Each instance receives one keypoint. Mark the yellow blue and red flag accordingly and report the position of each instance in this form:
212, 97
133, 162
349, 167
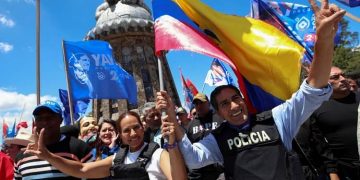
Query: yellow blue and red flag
266, 61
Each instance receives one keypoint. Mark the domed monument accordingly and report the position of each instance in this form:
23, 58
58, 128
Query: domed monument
128, 26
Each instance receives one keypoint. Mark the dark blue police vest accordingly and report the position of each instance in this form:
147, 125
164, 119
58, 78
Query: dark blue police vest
136, 170
257, 153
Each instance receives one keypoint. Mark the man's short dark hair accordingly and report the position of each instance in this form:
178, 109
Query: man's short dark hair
217, 91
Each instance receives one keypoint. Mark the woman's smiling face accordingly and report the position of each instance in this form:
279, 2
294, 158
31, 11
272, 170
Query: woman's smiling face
107, 132
132, 132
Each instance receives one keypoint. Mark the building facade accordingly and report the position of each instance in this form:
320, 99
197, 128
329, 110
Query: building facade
128, 26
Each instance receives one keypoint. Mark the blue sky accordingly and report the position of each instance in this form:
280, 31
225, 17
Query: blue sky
71, 20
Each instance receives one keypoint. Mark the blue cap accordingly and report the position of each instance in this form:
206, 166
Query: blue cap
50, 105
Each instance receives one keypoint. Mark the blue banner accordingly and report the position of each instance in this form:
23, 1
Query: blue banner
11, 132
79, 107
94, 74
351, 3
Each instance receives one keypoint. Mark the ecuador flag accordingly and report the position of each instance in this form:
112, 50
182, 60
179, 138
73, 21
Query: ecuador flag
266, 61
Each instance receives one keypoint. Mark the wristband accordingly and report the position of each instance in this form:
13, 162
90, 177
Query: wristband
168, 146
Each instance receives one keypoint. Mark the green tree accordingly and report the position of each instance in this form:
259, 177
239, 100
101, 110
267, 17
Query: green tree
347, 52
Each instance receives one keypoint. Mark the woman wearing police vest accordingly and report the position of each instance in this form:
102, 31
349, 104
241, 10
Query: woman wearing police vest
135, 160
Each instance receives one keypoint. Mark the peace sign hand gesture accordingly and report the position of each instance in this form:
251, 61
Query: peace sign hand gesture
327, 19
38, 148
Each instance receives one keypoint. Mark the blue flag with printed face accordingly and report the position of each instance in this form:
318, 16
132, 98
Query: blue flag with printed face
94, 74
79, 106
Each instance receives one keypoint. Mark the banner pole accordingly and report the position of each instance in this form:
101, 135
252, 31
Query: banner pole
38, 52
68, 85
351, 16
202, 89
161, 81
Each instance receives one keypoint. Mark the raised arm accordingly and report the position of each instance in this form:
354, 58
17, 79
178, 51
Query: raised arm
197, 155
163, 102
327, 19
98, 169
291, 114
171, 161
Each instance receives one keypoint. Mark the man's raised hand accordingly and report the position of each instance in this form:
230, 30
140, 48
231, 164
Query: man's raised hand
163, 102
327, 18
38, 148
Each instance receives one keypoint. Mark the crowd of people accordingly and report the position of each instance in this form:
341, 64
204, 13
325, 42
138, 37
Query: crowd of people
313, 135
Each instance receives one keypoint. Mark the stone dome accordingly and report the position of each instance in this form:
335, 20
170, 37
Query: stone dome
123, 15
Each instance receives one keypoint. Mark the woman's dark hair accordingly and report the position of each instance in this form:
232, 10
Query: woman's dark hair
113, 123
217, 91
98, 141
128, 113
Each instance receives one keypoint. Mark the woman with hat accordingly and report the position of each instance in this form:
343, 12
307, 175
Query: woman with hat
21, 140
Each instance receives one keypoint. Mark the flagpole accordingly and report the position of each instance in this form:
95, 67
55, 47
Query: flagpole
202, 89
13, 130
161, 81
68, 85
38, 52
22, 112
353, 17
348, 14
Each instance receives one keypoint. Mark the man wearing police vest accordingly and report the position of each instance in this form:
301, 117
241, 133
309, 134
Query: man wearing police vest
259, 147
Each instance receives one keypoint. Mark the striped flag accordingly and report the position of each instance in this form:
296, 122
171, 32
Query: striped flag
192, 87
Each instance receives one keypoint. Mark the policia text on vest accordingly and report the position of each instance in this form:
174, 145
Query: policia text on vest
248, 139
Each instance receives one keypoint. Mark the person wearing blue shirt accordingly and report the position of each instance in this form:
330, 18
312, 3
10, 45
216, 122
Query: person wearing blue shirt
259, 147
107, 142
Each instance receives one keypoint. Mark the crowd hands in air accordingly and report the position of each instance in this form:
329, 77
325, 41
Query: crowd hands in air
219, 139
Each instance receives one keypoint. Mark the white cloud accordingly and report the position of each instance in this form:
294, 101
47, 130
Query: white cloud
14, 105
6, 47
6, 21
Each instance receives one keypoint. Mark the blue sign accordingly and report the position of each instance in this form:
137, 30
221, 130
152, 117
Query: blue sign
94, 74
79, 107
